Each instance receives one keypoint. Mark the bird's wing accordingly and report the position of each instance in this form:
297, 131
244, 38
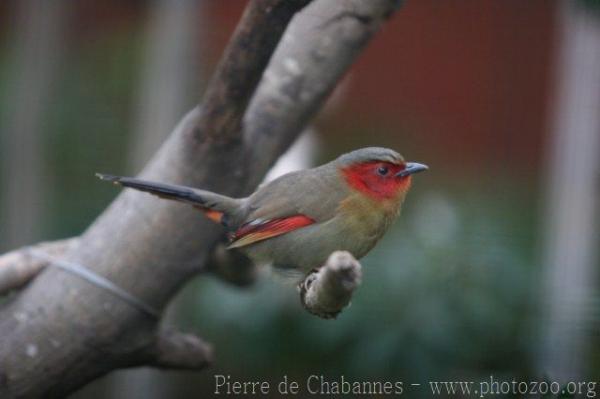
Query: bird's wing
259, 230
291, 202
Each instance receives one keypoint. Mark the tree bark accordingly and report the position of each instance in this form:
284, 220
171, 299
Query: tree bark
61, 331
19, 267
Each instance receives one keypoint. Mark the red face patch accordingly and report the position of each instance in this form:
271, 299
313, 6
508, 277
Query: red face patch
377, 179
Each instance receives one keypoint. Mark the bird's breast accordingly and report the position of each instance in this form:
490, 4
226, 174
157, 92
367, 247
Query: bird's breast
364, 221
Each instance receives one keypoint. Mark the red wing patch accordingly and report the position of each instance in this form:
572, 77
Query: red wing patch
258, 230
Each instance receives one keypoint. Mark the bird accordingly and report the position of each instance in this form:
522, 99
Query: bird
296, 221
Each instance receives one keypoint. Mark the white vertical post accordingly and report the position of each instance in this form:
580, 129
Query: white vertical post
169, 71
572, 196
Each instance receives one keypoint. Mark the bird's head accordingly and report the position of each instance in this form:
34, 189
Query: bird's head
380, 173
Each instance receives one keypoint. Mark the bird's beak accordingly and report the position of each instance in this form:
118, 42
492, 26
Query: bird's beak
412, 167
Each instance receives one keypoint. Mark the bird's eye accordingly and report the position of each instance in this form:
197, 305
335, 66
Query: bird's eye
382, 170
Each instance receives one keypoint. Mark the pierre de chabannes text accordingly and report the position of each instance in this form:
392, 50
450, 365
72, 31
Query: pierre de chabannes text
314, 385
320, 385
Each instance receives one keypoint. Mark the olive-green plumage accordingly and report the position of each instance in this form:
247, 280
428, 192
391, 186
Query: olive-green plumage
297, 220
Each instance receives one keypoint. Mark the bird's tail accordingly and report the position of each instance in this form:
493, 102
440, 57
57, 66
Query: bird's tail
217, 207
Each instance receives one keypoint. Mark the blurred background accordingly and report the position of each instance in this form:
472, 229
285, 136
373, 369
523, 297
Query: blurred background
492, 270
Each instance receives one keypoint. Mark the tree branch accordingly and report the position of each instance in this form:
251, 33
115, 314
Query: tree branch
241, 67
18, 267
151, 247
327, 291
175, 350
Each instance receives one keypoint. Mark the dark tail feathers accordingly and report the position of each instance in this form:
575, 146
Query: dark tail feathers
198, 198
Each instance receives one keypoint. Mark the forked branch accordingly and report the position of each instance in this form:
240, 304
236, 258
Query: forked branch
149, 247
